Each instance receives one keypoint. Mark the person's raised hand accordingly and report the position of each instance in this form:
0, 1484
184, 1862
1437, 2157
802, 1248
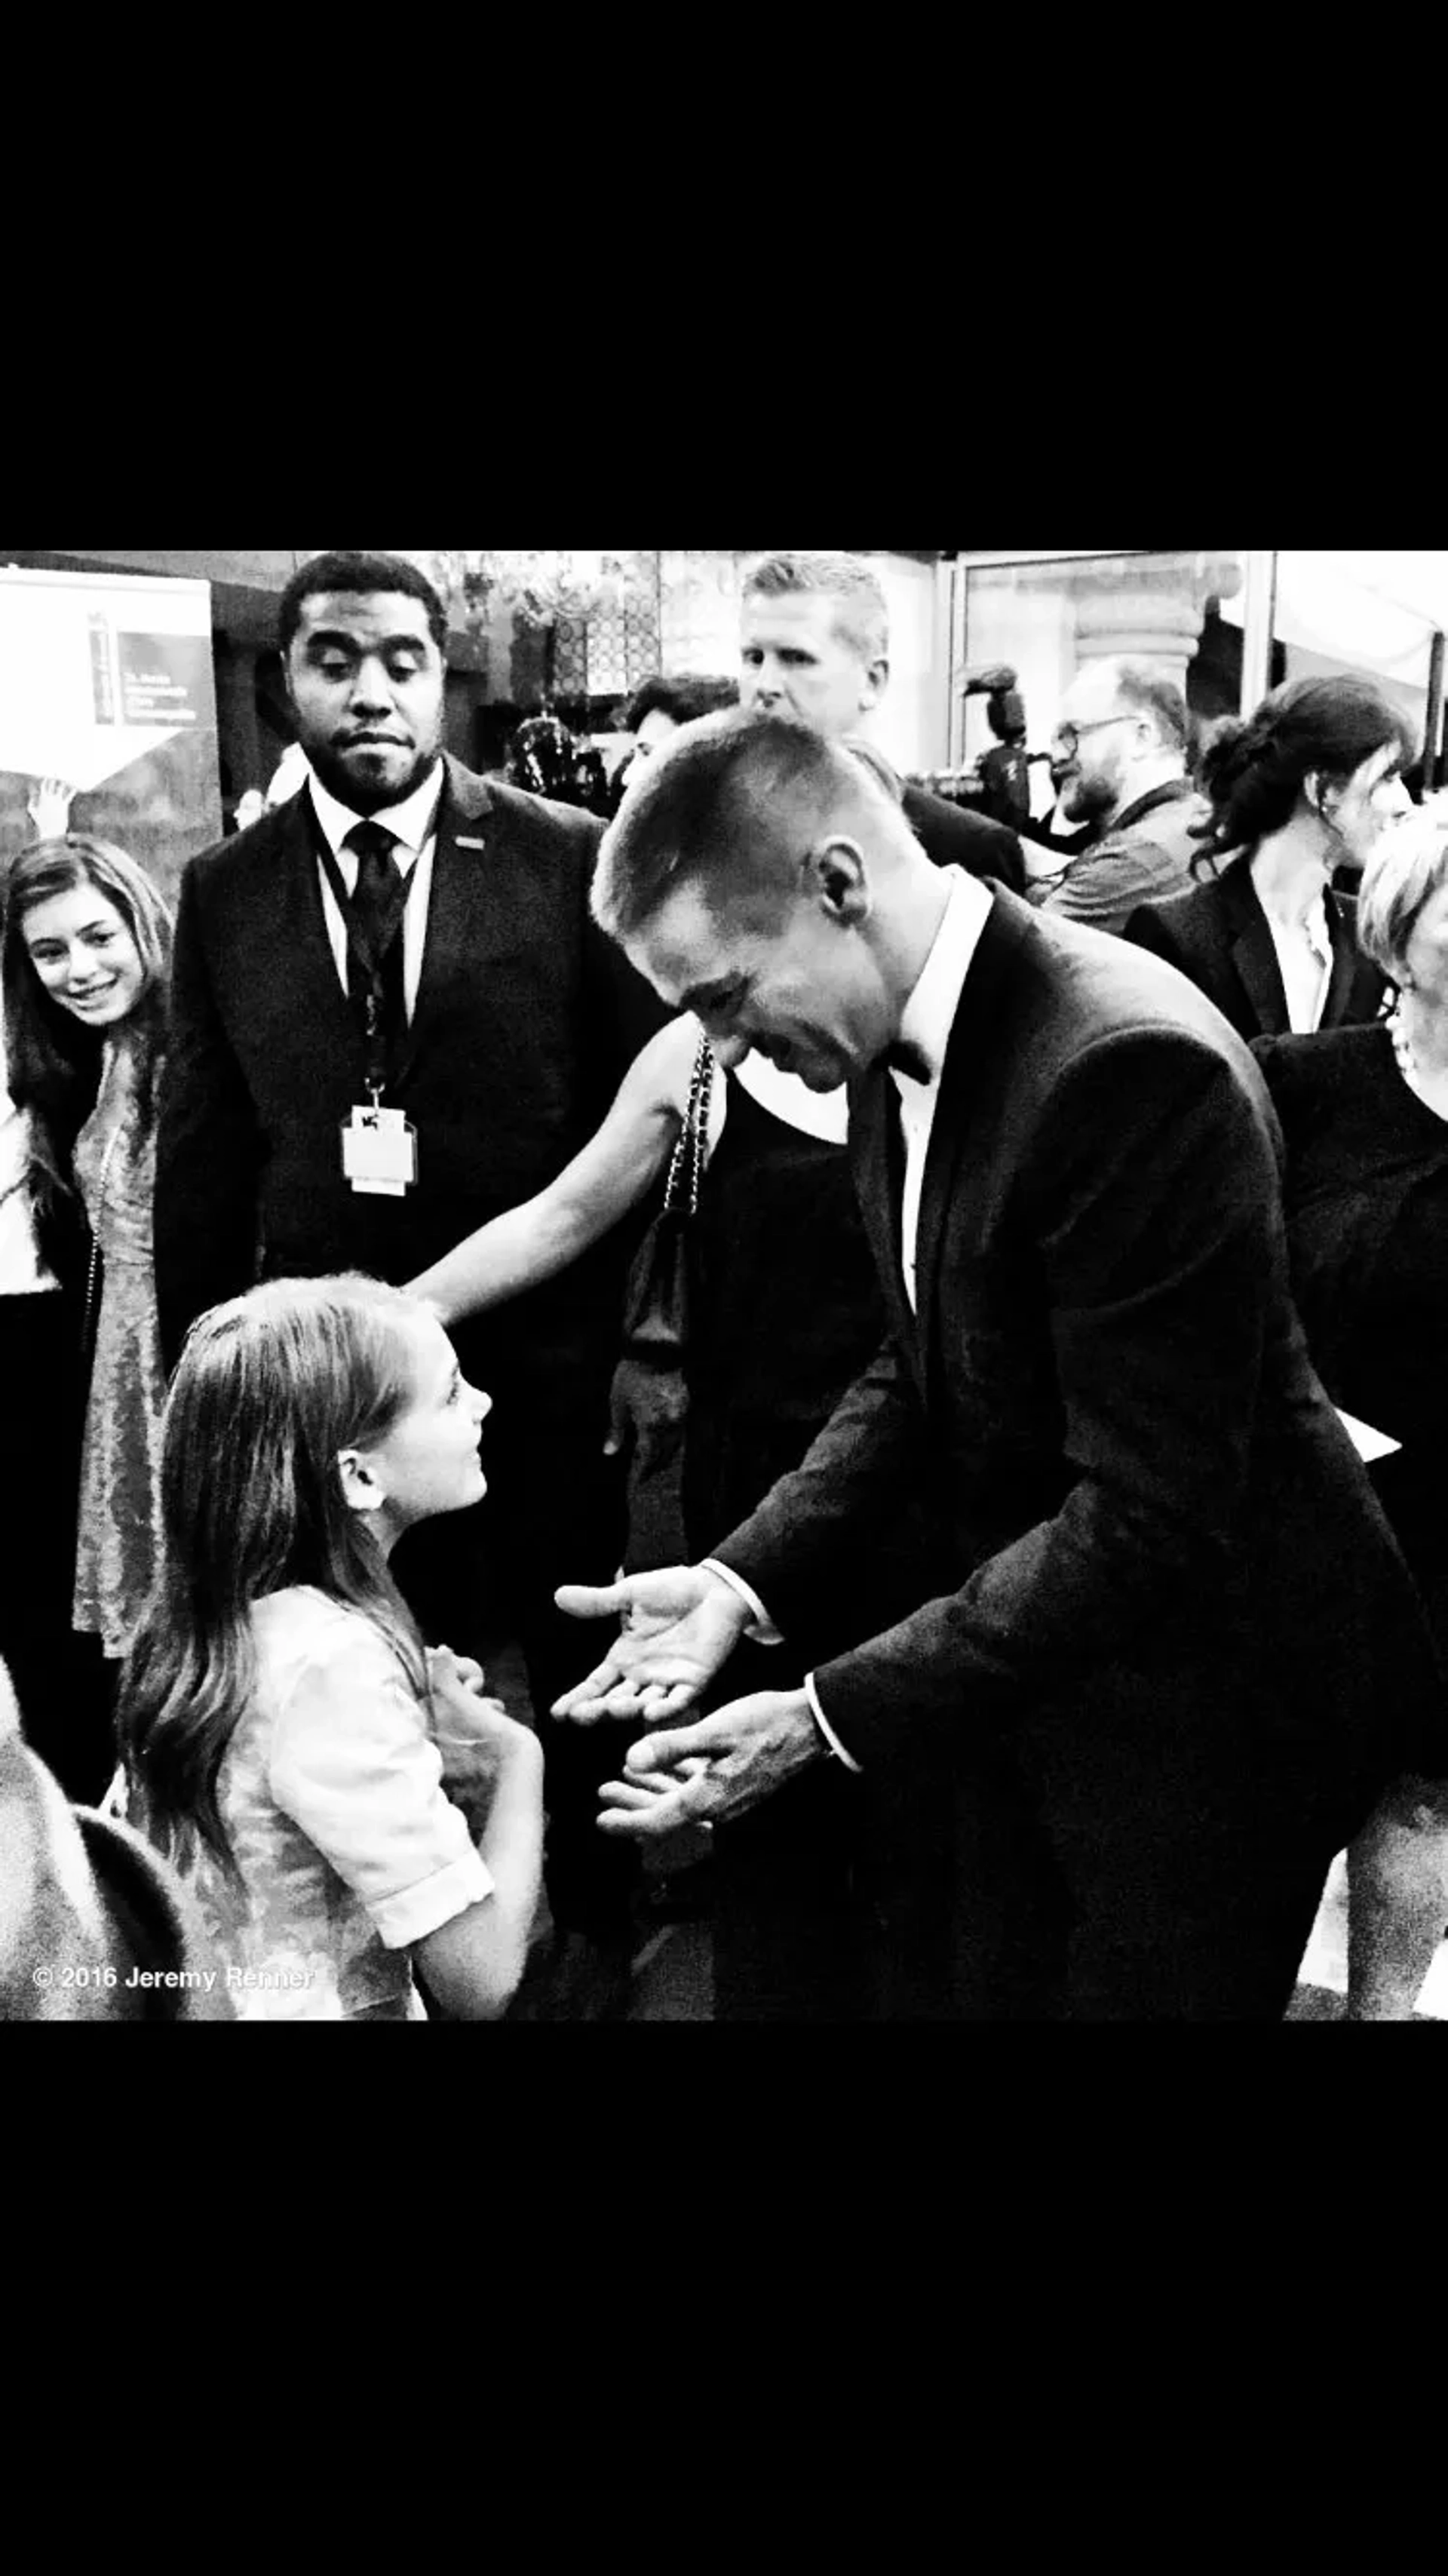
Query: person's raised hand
473, 1733
48, 806
644, 1405
679, 1626
443, 1666
717, 1768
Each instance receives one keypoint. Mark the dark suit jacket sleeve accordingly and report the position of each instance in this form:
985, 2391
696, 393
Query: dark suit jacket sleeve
952, 837
207, 1149
1153, 1188
1006, 858
997, 852
846, 1489
1149, 928
622, 1011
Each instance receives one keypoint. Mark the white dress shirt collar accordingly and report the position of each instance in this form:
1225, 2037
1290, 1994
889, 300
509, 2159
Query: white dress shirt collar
929, 1015
412, 820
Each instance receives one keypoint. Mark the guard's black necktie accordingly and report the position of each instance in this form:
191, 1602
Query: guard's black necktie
378, 900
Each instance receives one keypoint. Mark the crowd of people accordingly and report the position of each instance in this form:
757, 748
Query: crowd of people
966, 1324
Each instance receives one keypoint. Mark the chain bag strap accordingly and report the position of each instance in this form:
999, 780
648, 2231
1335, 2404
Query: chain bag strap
96, 1267
657, 1301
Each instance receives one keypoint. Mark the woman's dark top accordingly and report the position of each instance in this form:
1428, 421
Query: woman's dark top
785, 1312
1366, 1195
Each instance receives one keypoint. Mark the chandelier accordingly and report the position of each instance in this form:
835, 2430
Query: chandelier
544, 590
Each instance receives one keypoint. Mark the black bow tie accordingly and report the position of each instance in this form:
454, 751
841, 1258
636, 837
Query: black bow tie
908, 1058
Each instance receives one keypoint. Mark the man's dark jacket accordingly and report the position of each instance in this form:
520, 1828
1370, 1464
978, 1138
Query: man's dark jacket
954, 838
1167, 1655
525, 1020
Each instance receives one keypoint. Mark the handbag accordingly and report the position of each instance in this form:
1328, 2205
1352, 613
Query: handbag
656, 1301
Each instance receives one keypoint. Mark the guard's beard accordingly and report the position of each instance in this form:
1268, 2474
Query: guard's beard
365, 797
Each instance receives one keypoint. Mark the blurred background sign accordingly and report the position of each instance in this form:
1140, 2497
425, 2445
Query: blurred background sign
107, 687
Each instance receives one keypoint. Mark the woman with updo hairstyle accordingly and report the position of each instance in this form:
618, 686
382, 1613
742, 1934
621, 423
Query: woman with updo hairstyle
1303, 788
1364, 1114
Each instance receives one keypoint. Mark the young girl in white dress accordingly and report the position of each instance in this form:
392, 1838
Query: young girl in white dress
345, 1803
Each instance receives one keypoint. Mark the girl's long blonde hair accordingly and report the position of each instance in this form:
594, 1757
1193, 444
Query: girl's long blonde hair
271, 1387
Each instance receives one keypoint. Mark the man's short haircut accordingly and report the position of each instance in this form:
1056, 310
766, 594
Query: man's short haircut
861, 615
1151, 693
683, 697
1406, 870
731, 804
359, 574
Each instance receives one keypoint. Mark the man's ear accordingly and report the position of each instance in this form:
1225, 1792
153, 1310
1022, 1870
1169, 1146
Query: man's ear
361, 1485
834, 873
874, 681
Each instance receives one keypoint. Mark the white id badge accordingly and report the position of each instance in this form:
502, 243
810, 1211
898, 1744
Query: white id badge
379, 1152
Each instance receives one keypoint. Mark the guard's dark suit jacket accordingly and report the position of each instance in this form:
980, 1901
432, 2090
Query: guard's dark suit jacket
1167, 1653
1218, 935
526, 1018
954, 838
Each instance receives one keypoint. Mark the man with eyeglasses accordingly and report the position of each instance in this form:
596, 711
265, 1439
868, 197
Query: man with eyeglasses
1122, 745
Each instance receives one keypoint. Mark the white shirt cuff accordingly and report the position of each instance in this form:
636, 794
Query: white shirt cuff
761, 1630
825, 1728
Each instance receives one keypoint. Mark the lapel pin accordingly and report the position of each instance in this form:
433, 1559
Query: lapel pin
466, 841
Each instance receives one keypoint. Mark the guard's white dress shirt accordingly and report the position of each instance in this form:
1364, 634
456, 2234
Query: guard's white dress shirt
413, 822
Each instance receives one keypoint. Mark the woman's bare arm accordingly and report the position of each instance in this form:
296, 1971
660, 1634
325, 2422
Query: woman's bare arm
607, 1177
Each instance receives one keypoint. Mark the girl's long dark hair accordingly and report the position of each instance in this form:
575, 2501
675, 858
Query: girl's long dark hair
1253, 770
270, 1387
54, 1062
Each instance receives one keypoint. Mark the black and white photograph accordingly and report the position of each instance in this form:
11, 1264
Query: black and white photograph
720, 1287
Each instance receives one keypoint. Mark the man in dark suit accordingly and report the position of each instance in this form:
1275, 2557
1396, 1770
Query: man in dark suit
394, 1017
814, 642
1166, 1654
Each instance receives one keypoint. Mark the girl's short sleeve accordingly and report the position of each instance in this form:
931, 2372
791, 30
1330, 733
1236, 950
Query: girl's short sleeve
353, 1765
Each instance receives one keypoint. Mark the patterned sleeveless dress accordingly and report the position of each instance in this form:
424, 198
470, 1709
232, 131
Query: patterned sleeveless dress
118, 1540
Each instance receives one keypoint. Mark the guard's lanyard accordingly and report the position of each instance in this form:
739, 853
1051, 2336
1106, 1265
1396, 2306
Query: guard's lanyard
375, 1021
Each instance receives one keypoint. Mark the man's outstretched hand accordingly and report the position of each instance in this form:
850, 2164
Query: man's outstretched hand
703, 1774
679, 1628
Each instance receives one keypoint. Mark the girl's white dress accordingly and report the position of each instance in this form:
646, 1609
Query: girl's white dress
348, 1846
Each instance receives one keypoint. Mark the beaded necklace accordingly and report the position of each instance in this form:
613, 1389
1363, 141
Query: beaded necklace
1407, 1062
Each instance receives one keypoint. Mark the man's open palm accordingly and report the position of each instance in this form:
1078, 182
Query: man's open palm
680, 1625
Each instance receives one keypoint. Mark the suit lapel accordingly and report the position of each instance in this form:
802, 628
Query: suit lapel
1345, 961
878, 1154
312, 976
975, 1046
1251, 950
458, 902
